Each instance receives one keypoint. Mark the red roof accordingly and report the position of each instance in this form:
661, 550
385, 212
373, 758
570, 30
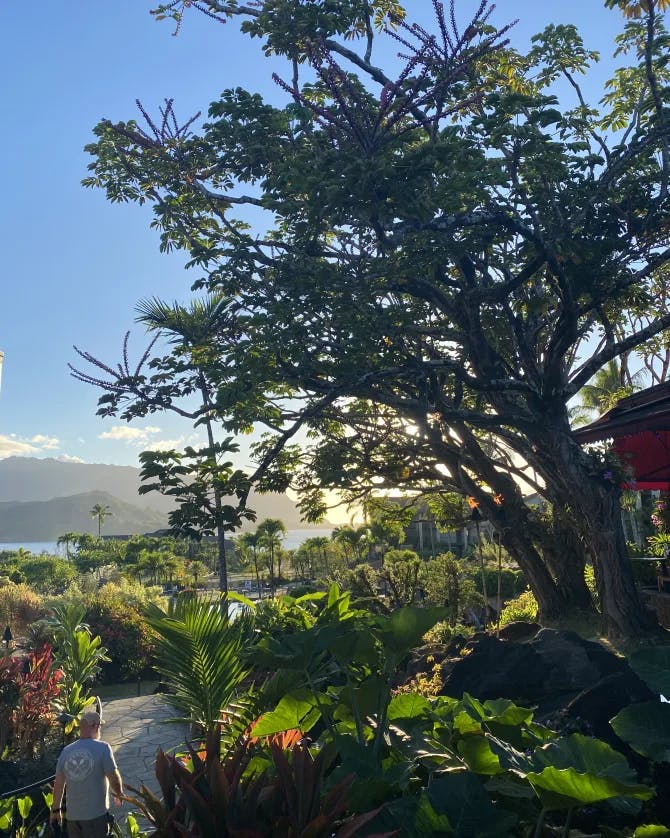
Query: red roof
639, 426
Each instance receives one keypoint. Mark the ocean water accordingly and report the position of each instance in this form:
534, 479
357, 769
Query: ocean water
293, 539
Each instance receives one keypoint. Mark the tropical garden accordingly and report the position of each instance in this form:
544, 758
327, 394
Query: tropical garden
414, 274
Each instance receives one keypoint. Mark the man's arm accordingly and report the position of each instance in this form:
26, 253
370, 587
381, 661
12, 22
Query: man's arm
115, 783
59, 787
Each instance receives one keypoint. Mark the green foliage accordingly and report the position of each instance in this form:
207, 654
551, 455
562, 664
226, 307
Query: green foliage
20, 605
79, 652
198, 654
272, 789
652, 664
127, 638
28, 690
646, 728
524, 607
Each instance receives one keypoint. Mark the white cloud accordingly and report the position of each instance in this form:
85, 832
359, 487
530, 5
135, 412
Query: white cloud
68, 458
131, 436
12, 445
48, 443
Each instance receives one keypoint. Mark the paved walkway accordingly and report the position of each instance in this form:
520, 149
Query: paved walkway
136, 729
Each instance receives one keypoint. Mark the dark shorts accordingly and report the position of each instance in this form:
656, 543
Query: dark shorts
96, 828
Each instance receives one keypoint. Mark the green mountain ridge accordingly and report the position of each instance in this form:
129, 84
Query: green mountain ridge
47, 520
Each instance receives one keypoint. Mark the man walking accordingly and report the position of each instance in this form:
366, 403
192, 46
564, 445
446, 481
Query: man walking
87, 769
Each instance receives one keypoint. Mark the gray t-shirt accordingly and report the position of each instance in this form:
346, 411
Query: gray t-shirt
85, 764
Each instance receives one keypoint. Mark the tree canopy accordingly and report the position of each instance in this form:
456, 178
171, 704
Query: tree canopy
441, 257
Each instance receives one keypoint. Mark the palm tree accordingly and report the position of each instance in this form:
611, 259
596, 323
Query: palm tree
198, 654
271, 532
251, 540
193, 328
101, 512
352, 539
67, 539
608, 385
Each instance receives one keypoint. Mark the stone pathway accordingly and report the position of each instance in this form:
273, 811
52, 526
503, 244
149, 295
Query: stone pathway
136, 728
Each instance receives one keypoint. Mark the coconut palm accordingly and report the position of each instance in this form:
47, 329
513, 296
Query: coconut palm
608, 385
101, 512
354, 540
67, 539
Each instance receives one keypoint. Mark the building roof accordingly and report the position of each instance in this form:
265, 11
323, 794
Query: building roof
639, 426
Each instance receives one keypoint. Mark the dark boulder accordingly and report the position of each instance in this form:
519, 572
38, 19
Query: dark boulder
519, 631
548, 672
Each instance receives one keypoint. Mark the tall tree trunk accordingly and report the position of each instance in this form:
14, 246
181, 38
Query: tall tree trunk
563, 552
592, 505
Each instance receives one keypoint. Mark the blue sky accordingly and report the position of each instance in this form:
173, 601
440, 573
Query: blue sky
73, 265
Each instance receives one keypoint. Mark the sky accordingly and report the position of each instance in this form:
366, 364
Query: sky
74, 266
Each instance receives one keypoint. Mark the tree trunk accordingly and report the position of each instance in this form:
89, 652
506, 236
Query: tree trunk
564, 554
592, 506
622, 611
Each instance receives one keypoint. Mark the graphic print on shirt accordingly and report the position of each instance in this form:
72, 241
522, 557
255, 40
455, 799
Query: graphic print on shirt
78, 765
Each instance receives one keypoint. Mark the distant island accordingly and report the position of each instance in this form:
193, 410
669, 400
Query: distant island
40, 499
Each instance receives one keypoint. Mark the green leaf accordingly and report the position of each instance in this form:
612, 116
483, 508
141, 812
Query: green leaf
646, 728
25, 804
406, 626
563, 788
477, 753
651, 830
461, 796
653, 666
408, 706
296, 711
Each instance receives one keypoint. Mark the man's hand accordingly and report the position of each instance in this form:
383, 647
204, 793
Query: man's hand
54, 822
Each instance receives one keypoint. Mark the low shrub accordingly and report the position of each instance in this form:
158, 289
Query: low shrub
524, 608
20, 605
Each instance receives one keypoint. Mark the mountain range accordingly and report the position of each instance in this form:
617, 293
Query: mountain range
40, 499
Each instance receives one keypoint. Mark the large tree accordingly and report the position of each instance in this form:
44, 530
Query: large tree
440, 260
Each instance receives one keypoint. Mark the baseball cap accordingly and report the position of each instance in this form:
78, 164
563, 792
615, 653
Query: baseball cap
91, 718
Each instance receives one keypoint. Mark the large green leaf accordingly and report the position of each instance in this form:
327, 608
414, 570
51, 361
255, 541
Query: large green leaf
461, 796
564, 788
296, 711
579, 770
646, 728
652, 830
585, 755
653, 666
408, 707
477, 753
412, 815
406, 626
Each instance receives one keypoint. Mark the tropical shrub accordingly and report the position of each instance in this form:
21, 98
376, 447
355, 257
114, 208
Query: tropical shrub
524, 607
28, 690
127, 637
274, 788
20, 605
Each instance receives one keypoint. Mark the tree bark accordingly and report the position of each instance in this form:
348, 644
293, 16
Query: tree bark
592, 503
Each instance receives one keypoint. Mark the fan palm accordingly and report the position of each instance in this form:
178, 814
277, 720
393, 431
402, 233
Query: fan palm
198, 653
